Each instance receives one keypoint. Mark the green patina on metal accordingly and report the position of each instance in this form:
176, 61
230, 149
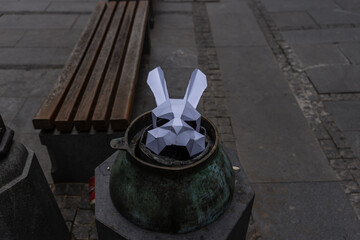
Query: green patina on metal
170, 199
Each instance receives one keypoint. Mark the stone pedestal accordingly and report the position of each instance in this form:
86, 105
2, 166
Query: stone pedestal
75, 155
28, 209
233, 223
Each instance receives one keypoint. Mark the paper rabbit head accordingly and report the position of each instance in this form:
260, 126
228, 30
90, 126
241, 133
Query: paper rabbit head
176, 121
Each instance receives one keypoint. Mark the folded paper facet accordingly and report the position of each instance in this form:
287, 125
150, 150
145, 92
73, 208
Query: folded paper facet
176, 121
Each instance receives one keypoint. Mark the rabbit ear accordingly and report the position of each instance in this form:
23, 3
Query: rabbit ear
157, 84
196, 87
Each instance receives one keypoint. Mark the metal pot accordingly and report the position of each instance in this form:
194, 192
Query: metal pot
172, 199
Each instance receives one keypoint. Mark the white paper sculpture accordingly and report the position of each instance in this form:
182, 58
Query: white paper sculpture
176, 121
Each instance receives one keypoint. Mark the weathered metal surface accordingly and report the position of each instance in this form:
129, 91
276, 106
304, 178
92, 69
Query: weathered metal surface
173, 199
135, 132
231, 225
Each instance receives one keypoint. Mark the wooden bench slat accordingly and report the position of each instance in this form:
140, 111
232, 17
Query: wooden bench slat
82, 118
44, 118
63, 120
120, 113
100, 118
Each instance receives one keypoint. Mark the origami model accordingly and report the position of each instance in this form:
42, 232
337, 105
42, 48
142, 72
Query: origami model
176, 121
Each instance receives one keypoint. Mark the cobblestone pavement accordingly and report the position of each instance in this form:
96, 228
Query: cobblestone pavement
214, 99
315, 43
267, 130
322, 75
325, 85
74, 202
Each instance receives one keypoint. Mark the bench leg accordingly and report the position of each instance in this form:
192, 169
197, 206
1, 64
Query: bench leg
74, 156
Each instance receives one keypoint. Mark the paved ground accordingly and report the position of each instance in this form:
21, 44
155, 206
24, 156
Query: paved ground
283, 90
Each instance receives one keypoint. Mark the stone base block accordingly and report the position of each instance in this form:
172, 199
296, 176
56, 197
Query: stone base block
75, 155
28, 209
233, 223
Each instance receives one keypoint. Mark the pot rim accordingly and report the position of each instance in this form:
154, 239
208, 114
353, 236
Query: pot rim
125, 146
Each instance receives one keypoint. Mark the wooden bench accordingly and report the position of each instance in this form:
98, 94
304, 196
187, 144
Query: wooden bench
97, 83
95, 89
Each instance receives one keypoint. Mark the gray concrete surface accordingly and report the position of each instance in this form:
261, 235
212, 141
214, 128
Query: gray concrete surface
275, 143
284, 86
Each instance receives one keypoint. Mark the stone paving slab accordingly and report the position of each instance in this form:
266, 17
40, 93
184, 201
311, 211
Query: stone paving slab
294, 5
234, 25
327, 132
172, 20
26, 83
173, 57
81, 231
74, 201
319, 54
299, 19
172, 38
22, 123
334, 16
351, 51
9, 38
335, 79
351, 5
274, 141
306, 211
354, 139
23, 6
49, 38
338, 35
81, 21
173, 7
72, 6
34, 56
235, 38
251, 71
345, 113
9, 106
37, 21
